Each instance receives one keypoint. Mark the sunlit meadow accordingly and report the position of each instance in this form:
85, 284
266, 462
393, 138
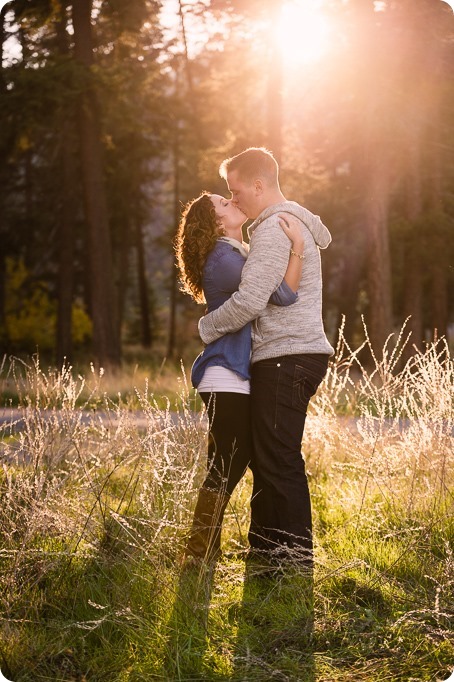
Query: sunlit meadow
97, 490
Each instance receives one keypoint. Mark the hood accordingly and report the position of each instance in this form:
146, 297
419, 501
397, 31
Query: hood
320, 233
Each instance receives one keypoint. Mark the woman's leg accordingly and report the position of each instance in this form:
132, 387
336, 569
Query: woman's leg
229, 453
229, 440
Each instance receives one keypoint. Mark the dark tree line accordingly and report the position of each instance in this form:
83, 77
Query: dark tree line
78, 154
108, 126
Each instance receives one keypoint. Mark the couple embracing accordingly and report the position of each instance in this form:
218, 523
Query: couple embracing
266, 352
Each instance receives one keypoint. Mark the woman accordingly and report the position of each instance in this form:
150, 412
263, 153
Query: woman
211, 255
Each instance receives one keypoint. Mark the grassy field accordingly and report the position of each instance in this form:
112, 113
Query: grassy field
95, 508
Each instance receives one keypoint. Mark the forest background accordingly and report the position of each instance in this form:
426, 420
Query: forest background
114, 114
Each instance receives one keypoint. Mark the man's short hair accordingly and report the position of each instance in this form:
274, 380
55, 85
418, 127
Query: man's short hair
253, 163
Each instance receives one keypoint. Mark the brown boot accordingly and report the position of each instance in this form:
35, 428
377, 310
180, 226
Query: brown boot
205, 537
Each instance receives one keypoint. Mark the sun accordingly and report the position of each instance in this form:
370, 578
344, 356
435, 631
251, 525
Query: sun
303, 32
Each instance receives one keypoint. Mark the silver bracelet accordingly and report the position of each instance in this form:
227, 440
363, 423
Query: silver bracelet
298, 255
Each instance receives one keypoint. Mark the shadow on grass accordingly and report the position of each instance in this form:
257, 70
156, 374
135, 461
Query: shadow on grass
188, 624
275, 625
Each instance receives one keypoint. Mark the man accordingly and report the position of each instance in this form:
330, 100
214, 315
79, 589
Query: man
290, 352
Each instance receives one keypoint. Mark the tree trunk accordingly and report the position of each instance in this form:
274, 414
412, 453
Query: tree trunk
352, 276
439, 66
439, 262
106, 332
122, 263
174, 274
413, 269
66, 245
3, 328
143, 289
66, 234
379, 318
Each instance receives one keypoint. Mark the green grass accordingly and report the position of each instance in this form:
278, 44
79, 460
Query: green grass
94, 515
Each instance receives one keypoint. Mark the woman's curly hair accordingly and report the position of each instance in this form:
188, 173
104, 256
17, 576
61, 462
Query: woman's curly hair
197, 234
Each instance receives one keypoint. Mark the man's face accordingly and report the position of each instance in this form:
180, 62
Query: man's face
244, 195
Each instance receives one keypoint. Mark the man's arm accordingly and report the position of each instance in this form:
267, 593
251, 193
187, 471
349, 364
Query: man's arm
263, 272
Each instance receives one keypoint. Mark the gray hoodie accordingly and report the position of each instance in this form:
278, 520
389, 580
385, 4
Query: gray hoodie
276, 330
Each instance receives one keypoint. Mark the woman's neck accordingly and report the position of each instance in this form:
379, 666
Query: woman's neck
235, 233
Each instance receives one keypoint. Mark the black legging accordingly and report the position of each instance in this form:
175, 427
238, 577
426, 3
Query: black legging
229, 440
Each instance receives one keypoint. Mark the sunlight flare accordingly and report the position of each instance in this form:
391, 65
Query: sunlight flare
303, 32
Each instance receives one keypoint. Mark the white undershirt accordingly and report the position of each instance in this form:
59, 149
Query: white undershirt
222, 380
240, 246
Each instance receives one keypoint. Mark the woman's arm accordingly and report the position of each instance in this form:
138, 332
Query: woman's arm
291, 226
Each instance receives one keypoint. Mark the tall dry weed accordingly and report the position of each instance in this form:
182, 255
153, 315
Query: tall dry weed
94, 485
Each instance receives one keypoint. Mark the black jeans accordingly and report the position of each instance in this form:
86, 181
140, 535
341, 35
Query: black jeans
281, 517
229, 439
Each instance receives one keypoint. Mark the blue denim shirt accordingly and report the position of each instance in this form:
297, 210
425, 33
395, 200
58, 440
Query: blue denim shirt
221, 278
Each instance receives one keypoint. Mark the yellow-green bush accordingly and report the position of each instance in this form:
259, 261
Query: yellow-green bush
31, 312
